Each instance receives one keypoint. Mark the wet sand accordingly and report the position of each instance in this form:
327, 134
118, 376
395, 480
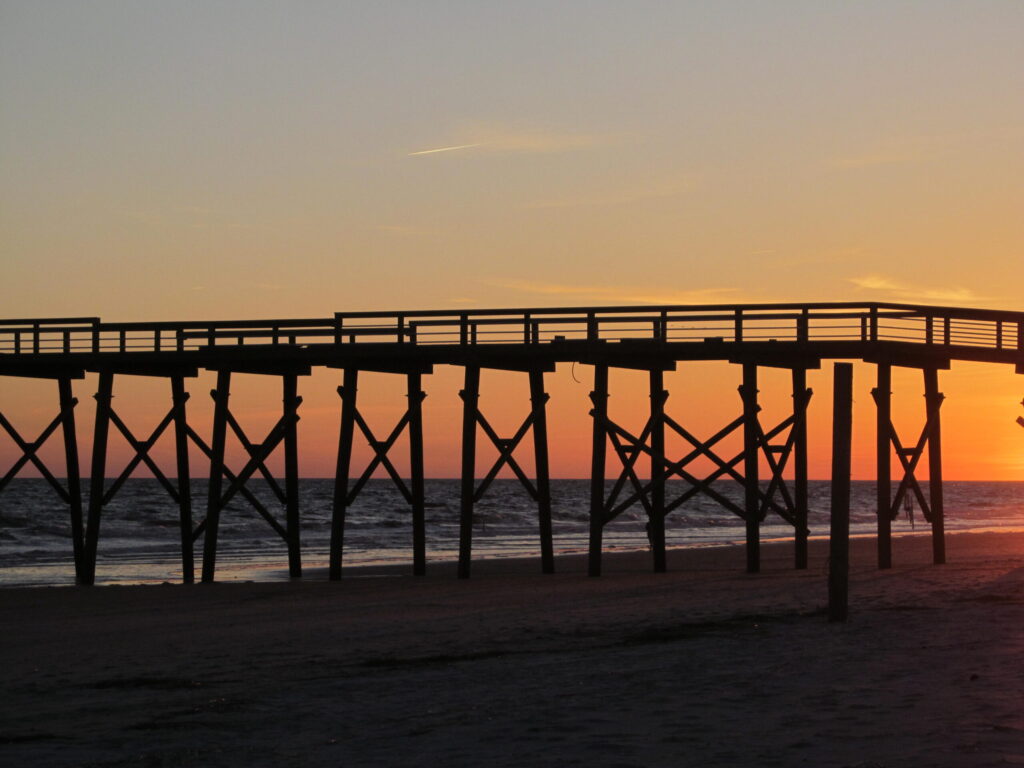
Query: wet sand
702, 666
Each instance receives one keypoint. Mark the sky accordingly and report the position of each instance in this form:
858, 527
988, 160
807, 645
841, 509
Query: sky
214, 160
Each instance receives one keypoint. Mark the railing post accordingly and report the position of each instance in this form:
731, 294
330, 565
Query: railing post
873, 321
738, 326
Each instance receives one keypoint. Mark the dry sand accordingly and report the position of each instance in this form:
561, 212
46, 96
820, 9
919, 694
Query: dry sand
702, 666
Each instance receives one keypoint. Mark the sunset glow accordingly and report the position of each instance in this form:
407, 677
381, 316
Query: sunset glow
193, 160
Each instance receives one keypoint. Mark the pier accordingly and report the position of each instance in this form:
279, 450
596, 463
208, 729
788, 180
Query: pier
793, 337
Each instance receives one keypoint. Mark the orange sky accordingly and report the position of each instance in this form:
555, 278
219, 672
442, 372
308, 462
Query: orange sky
204, 160
980, 438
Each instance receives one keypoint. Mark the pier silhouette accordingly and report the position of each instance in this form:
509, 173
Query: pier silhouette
653, 339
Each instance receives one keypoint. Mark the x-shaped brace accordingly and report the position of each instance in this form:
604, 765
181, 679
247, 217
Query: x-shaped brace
506, 449
28, 454
909, 459
141, 449
381, 449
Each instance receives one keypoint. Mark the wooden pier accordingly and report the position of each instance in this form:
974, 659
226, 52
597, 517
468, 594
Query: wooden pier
795, 337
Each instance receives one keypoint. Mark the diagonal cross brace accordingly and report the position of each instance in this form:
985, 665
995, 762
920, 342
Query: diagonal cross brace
252, 450
381, 449
244, 492
141, 448
909, 459
28, 451
506, 449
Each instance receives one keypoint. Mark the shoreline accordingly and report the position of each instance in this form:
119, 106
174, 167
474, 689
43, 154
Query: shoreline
247, 570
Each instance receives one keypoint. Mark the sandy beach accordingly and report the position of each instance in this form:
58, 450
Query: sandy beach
702, 666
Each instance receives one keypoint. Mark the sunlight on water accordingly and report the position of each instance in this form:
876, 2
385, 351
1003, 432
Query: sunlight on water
139, 532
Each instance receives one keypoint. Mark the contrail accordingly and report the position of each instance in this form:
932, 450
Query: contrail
443, 149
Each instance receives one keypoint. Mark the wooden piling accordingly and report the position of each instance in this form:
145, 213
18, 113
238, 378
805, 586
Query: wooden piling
800, 467
751, 482
97, 473
347, 391
839, 536
470, 404
74, 479
656, 522
933, 400
213, 498
538, 404
599, 448
178, 399
291, 401
883, 470
416, 472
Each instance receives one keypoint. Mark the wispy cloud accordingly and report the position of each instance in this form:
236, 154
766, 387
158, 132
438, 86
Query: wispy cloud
621, 294
894, 289
444, 149
501, 139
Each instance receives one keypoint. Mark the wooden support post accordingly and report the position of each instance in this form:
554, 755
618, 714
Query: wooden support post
933, 400
883, 470
290, 397
341, 474
67, 419
213, 499
97, 472
656, 521
751, 483
538, 402
178, 399
419, 530
599, 412
800, 466
839, 537
470, 407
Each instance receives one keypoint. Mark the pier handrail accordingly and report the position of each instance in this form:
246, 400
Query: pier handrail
932, 326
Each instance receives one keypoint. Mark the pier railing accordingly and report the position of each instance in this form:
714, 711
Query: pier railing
918, 324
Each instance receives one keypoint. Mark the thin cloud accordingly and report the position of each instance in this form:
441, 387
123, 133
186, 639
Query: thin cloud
444, 149
499, 140
917, 293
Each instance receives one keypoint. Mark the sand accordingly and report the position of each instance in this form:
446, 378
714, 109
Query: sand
702, 666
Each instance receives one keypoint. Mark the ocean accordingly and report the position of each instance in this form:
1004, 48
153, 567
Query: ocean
139, 531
